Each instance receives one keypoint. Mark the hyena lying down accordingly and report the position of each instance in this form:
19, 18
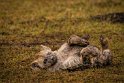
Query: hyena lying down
70, 55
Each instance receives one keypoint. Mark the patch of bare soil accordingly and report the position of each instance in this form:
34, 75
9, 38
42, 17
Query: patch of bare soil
110, 17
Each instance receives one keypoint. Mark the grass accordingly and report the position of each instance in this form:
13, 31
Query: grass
25, 24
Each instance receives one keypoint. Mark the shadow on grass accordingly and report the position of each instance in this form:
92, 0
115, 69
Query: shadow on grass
110, 17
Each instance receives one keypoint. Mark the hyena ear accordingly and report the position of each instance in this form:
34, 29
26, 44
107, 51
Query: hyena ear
86, 37
43, 47
43, 50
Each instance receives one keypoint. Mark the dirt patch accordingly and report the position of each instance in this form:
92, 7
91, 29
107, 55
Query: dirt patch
106, 3
22, 44
110, 17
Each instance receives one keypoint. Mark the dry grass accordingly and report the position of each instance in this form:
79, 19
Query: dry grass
25, 24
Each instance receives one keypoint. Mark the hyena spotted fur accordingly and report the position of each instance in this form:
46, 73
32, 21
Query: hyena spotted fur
66, 57
75, 53
96, 56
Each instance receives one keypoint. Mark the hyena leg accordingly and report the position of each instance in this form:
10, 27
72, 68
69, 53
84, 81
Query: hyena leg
93, 61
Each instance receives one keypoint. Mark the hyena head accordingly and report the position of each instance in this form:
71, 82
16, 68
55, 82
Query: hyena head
50, 59
46, 59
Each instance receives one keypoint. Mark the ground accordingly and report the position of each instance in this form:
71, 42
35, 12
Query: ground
25, 24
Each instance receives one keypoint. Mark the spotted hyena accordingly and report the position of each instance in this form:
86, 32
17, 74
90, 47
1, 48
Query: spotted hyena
72, 54
66, 57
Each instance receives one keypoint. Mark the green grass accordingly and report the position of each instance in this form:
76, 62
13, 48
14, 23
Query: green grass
25, 24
